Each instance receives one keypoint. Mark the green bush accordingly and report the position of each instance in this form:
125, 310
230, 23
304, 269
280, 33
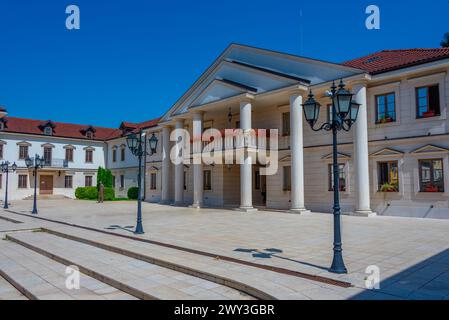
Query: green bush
80, 193
109, 194
86, 193
133, 193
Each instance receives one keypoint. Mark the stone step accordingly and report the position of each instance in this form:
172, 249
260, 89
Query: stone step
8, 292
37, 277
138, 278
260, 283
47, 197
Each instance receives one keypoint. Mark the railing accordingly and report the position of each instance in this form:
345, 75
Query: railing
56, 163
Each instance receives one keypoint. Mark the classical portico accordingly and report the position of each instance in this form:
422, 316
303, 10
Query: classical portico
249, 95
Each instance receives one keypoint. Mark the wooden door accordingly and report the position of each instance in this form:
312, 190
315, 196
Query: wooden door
46, 185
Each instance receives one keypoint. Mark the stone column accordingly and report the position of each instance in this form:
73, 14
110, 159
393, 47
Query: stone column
165, 165
361, 154
197, 161
179, 168
246, 190
297, 154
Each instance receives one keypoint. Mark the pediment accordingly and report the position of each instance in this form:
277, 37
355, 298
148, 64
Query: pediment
387, 152
217, 90
430, 148
261, 69
341, 156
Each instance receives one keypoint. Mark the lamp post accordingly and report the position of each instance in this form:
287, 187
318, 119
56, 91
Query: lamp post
35, 164
5, 169
344, 115
136, 145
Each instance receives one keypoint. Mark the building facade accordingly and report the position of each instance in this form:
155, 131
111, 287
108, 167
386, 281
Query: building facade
395, 160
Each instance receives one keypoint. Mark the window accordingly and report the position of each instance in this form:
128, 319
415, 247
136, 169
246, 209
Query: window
207, 180
47, 156
341, 175
114, 155
113, 182
122, 182
153, 185
48, 131
431, 178
23, 152
68, 182
88, 181
287, 176
386, 108
23, 181
1, 181
89, 156
122, 155
286, 124
388, 176
185, 180
237, 125
1, 151
89, 135
257, 180
428, 102
69, 155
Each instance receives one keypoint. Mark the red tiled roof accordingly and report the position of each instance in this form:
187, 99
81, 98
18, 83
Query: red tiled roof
67, 130
389, 60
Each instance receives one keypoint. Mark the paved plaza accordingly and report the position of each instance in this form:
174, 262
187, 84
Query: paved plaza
221, 254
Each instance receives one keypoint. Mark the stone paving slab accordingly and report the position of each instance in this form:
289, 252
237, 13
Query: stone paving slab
277, 285
44, 279
400, 247
155, 281
8, 292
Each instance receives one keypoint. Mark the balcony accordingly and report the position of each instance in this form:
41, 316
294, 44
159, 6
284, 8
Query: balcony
56, 163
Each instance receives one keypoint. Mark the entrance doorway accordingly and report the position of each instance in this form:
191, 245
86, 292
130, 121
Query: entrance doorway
46, 185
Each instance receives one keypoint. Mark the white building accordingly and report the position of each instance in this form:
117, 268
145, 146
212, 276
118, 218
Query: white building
400, 140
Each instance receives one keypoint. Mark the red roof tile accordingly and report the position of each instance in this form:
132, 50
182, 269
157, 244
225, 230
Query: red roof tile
67, 130
389, 60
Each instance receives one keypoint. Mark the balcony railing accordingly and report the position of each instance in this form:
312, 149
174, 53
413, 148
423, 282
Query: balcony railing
56, 163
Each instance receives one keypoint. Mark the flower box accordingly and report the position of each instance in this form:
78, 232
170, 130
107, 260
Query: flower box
429, 114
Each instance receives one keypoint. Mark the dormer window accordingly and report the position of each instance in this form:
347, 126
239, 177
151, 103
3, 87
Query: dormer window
3, 122
48, 131
89, 135
88, 132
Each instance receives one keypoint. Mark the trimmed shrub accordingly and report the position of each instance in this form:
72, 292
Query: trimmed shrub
109, 194
105, 176
80, 193
86, 193
133, 193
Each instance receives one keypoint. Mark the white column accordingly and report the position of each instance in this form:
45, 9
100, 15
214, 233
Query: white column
246, 190
297, 154
361, 154
197, 161
179, 168
165, 165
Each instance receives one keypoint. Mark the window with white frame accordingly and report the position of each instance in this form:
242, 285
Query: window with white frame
23, 181
153, 181
207, 180
431, 175
428, 101
23, 152
68, 182
341, 177
286, 124
388, 176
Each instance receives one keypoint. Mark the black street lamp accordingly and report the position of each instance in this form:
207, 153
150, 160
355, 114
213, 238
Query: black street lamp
136, 145
344, 115
5, 169
35, 163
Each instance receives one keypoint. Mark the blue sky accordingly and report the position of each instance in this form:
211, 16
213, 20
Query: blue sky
131, 60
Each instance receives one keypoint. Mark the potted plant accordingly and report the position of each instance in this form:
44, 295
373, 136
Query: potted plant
388, 187
429, 114
431, 188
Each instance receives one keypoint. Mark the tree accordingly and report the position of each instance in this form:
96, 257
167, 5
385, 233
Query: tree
445, 42
105, 176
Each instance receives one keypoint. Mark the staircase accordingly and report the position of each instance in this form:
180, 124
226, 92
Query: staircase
35, 262
48, 197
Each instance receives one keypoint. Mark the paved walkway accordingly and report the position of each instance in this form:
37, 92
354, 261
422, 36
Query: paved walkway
412, 254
